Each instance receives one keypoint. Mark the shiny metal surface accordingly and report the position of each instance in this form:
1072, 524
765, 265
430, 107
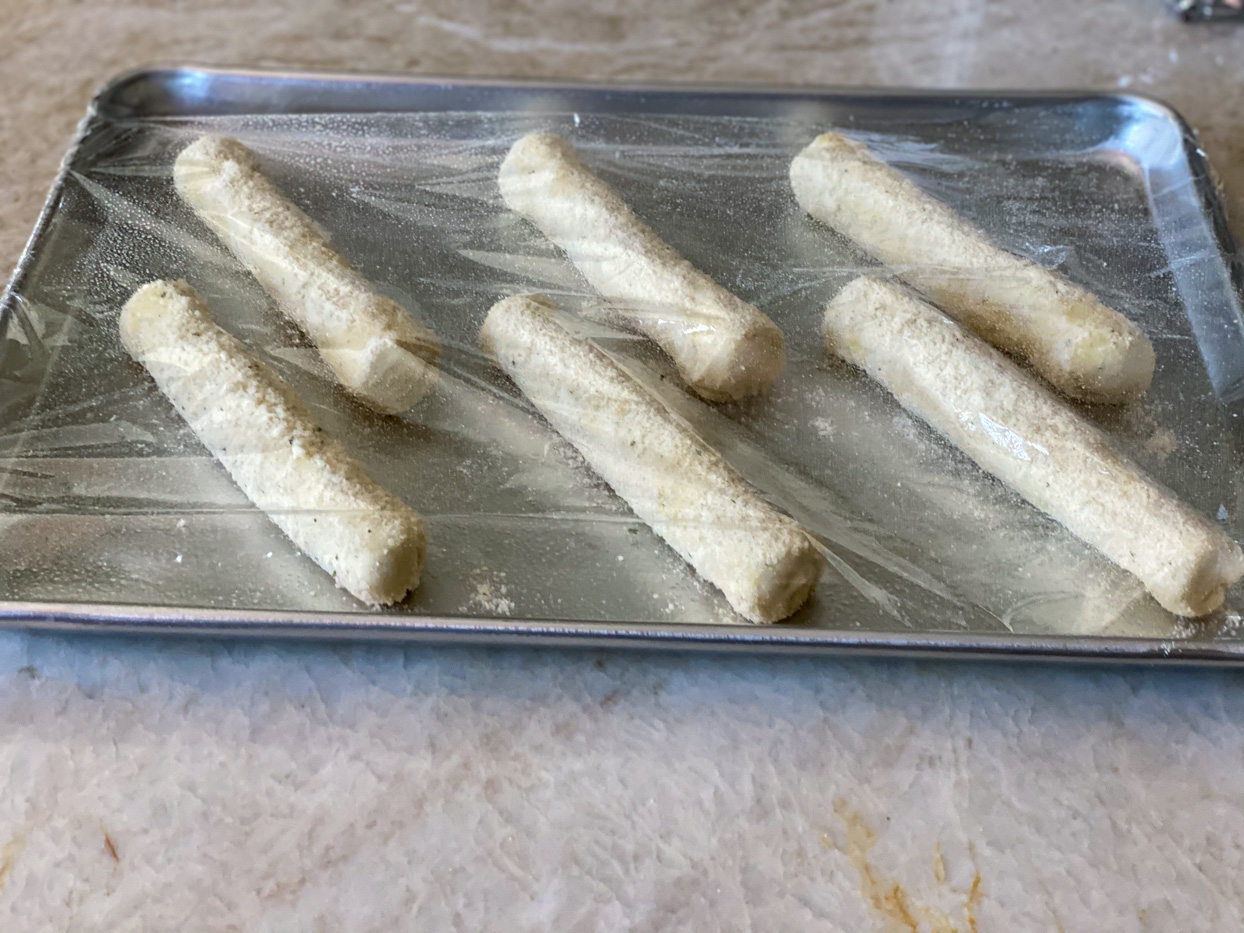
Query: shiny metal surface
1135, 162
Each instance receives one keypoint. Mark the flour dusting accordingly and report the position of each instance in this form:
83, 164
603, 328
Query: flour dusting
490, 595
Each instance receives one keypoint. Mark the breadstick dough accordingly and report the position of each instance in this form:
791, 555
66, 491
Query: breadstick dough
1014, 428
374, 347
761, 560
1085, 349
724, 348
251, 421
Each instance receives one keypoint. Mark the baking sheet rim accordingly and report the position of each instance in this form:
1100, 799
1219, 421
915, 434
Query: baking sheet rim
119, 619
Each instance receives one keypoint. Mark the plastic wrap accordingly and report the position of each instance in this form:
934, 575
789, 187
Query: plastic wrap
106, 496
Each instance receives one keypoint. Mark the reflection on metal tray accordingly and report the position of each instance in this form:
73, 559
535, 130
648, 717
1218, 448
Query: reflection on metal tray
112, 516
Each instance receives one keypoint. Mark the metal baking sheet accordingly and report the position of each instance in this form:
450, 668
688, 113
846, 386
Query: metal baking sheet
113, 518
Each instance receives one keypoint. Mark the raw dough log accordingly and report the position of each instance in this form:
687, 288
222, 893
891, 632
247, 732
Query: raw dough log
251, 421
761, 560
1014, 428
374, 347
724, 347
1085, 349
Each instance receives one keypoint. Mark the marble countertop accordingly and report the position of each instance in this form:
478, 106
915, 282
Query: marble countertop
166, 784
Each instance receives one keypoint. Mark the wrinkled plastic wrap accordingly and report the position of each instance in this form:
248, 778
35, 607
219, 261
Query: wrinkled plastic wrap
106, 496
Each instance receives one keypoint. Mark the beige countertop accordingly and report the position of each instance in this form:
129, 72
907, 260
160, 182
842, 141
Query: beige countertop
161, 784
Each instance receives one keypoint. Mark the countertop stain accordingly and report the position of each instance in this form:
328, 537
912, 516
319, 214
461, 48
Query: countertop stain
8, 853
939, 865
886, 896
109, 845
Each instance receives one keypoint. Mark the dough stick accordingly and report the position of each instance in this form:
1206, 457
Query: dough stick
374, 347
761, 560
1085, 349
724, 348
1014, 428
252, 422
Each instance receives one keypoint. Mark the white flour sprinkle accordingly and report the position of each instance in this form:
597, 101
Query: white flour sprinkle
490, 597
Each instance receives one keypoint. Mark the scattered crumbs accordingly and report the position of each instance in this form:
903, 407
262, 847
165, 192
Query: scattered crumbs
905, 426
824, 427
1222, 513
1161, 443
670, 606
1184, 628
181, 523
621, 558
269, 554
490, 594
179, 558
